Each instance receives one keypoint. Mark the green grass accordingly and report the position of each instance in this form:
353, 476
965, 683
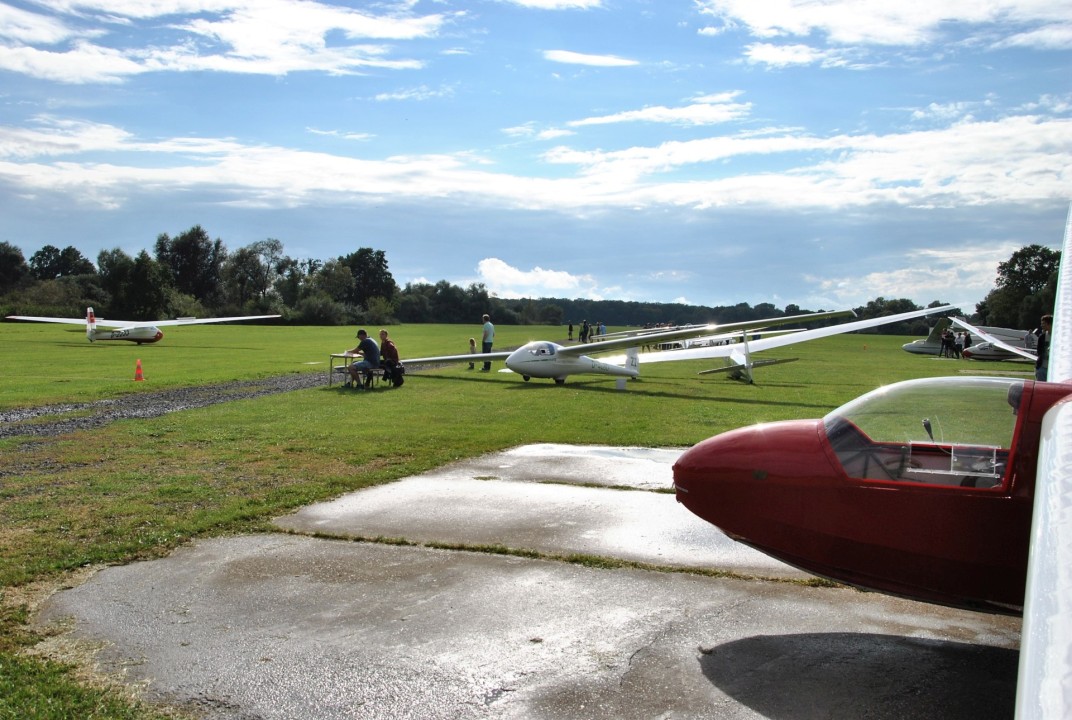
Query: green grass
139, 488
45, 363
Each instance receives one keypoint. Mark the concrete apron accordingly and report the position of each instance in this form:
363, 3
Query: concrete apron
285, 626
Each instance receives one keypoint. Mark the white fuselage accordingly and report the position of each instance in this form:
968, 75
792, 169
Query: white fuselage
541, 359
989, 351
140, 335
923, 346
1014, 338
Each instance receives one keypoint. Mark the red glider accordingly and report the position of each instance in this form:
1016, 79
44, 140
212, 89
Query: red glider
902, 490
954, 490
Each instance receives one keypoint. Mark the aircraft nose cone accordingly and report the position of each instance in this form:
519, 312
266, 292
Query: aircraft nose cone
736, 480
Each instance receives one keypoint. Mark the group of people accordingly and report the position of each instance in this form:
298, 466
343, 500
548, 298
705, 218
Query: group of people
374, 357
385, 355
588, 332
953, 344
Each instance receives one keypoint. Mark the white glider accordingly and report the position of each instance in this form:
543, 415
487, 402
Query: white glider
131, 330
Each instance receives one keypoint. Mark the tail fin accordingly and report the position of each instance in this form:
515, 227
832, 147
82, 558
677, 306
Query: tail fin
91, 323
632, 358
743, 360
940, 327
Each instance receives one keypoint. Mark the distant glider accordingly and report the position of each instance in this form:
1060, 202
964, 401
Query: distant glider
545, 359
130, 330
549, 360
998, 343
1014, 345
739, 354
932, 344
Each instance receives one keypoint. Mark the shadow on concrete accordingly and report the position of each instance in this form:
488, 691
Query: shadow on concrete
832, 675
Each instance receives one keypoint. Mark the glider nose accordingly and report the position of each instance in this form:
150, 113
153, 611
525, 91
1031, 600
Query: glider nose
159, 336
742, 481
710, 476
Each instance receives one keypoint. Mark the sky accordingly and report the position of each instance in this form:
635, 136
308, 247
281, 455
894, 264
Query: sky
821, 153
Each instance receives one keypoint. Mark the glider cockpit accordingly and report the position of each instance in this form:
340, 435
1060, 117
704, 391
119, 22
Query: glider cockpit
890, 434
541, 349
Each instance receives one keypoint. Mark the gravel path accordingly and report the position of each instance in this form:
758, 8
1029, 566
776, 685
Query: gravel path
36, 421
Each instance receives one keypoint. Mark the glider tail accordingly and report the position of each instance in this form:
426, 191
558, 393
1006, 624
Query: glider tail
743, 361
632, 358
91, 323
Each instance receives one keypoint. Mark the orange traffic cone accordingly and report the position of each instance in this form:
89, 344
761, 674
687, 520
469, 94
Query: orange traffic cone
138, 377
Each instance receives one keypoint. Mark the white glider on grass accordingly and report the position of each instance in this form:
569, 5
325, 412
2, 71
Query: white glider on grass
546, 359
131, 330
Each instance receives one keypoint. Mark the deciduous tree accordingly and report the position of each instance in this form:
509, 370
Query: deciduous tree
194, 261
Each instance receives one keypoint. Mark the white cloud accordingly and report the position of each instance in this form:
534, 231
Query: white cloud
61, 137
1059, 104
711, 31
270, 37
558, 4
927, 275
522, 131
1015, 159
506, 281
554, 133
422, 92
340, 134
530, 130
21, 26
781, 56
904, 23
1050, 37
1019, 159
575, 58
944, 112
712, 112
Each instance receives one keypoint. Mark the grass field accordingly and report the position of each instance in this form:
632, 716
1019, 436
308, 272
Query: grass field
139, 488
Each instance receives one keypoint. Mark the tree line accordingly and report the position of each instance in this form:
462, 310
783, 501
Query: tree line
192, 275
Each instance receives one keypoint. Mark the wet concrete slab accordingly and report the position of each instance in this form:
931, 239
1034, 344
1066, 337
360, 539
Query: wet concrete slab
292, 626
632, 467
636, 526
273, 626
528, 498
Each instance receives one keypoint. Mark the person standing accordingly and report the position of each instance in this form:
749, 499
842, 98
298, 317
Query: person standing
487, 339
1042, 346
472, 351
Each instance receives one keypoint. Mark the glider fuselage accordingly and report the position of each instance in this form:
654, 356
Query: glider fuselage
866, 499
542, 359
140, 335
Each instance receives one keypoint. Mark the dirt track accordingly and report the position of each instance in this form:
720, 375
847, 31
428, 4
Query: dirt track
36, 422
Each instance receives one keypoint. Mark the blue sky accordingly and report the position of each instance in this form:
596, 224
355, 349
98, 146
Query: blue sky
820, 153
